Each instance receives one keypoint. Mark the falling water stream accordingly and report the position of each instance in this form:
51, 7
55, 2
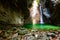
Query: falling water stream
41, 15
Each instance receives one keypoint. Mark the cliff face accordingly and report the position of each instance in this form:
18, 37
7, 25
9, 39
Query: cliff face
54, 11
13, 11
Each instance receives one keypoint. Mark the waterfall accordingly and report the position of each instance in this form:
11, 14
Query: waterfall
41, 15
